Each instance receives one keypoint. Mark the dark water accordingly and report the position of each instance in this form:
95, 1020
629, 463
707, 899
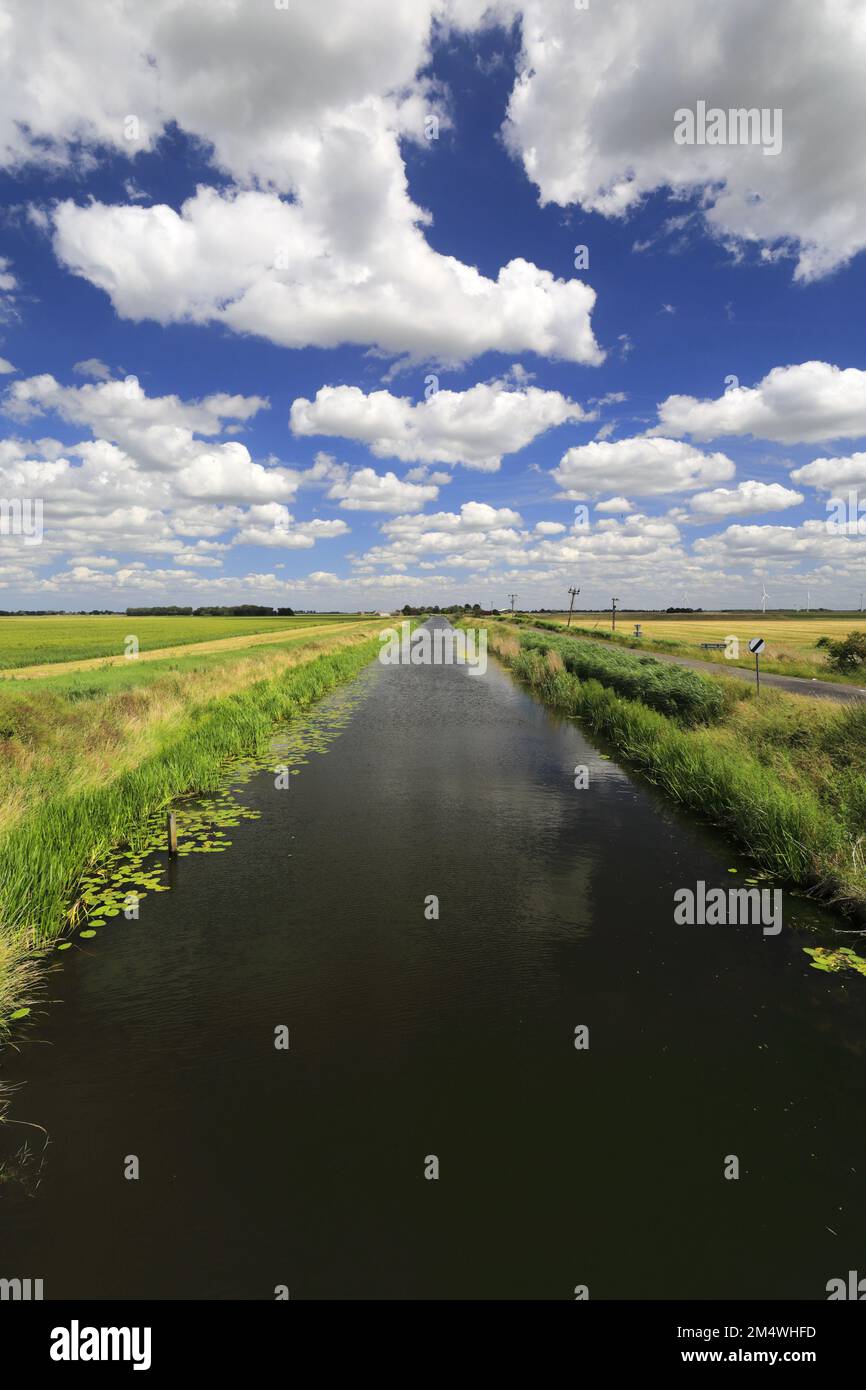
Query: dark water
452, 1038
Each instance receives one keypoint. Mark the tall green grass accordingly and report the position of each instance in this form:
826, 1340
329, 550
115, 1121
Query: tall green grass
784, 780
672, 690
46, 850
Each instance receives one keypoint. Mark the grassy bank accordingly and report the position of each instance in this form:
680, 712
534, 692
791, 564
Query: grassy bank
791, 648
84, 763
783, 776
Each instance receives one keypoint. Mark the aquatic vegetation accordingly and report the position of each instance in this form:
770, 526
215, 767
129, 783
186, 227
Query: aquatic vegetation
840, 959
122, 878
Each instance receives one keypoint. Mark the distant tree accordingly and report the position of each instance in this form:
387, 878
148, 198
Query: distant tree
151, 612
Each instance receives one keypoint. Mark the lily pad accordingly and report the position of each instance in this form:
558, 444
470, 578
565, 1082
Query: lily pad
842, 958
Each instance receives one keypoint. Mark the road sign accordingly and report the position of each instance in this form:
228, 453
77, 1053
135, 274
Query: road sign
756, 646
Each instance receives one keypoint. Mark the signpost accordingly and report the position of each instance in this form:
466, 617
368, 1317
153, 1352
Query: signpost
756, 645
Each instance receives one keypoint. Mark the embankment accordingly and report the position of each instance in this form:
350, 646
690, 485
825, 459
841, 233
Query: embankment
784, 777
82, 767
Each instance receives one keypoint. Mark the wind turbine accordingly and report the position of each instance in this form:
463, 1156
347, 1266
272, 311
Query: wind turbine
764, 597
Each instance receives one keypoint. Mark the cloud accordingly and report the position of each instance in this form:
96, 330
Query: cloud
607, 144
147, 480
6, 368
472, 517
158, 428
365, 490
474, 427
272, 526
833, 474
94, 368
258, 264
643, 466
614, 504
8, 286
746, 499
781, 545
315, 240
800, 404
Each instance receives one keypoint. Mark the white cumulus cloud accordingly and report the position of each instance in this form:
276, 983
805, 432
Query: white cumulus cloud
474, 427
642, 466
800, 404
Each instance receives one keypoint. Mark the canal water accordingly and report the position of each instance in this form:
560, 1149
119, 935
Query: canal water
413, 1037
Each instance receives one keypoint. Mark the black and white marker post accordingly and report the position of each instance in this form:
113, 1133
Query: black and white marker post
756, 645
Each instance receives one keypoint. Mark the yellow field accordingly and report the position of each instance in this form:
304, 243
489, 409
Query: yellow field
790, 641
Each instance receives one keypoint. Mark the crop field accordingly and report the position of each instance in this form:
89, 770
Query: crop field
790, 641
31, 641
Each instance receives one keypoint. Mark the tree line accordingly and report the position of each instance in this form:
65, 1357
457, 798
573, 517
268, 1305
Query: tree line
235, 610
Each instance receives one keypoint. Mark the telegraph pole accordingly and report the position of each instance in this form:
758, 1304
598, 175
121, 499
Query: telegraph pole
512, 597
613, 604
574, 593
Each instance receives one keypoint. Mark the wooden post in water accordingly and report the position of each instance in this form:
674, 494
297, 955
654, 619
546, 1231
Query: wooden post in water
171, 827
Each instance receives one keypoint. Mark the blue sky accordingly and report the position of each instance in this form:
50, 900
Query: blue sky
263, 339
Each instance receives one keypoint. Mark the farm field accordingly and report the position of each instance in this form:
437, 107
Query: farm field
790, 648
30, 641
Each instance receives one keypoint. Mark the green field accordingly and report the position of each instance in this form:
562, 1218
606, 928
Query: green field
29, 641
